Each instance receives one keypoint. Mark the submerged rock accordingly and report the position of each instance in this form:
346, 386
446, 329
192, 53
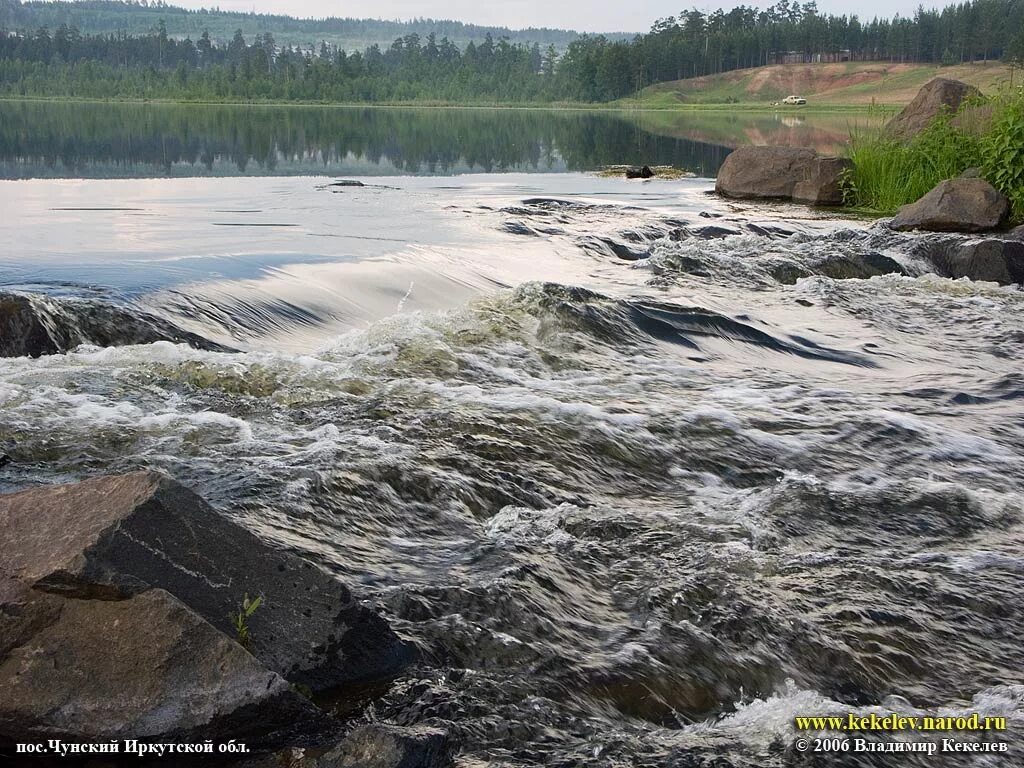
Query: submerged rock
936, 97
143, 667
956, 205
32, 326
782, 173
116, 537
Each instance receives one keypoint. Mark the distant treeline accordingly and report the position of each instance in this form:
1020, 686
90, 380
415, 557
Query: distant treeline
136, 17
592, 69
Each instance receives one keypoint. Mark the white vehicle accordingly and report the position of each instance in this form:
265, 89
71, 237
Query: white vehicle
794, 100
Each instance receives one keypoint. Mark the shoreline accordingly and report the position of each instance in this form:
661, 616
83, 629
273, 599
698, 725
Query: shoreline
551, 107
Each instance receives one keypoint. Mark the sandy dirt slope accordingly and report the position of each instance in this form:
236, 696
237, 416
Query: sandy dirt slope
847, 83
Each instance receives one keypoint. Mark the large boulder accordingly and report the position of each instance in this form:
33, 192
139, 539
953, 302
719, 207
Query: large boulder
823, 182
144, 668
994, 259
32, 325
115, 537
956, 205
937, 97
782, 173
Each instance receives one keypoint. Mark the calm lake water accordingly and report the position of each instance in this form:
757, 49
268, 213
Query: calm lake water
60, 140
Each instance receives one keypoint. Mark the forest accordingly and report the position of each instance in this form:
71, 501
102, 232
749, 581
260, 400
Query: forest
136, 17
67, 62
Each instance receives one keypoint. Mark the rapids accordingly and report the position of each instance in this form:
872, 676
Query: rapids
642, 473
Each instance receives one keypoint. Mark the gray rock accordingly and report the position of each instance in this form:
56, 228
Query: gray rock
115, 537
993, 260
764, 172
1017, 233
956, 205
143, 668
936, 97
823, 183
35, 325
782, 173
390, 746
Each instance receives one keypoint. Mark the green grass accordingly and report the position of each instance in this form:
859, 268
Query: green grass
888, 174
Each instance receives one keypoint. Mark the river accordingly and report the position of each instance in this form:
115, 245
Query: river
643, 473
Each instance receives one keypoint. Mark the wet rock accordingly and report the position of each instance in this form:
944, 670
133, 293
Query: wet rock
1017, 233
782, 173
390, 746
994, 260
32, 326
936, 97
606, 246
146, 667
639, 173
956, 205
346, 183
858, 266
712, 232
118, 536
21, 331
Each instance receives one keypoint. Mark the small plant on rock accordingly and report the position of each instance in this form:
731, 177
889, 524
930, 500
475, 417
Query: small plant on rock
240, 620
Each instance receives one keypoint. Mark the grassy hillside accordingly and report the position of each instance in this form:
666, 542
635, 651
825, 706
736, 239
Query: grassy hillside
854, 84
110, 16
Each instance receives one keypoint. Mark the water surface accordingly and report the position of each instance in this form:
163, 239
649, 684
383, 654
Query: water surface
643, 473
62, 140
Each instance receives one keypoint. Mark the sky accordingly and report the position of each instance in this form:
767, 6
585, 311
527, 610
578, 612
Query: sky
582, 15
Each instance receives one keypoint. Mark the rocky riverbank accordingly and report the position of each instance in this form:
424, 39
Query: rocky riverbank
967, 204
120, 621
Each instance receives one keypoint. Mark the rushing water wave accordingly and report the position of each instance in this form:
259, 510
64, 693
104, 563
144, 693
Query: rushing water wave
737, 468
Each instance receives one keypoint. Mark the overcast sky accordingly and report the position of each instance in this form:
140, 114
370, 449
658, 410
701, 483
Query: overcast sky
584, 15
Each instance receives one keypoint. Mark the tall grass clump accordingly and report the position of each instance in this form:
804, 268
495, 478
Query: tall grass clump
1002, 153
887, 174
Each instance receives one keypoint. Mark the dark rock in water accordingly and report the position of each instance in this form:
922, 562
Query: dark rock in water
607, 246
639, 173
122, 535
713, 233
31, 326
782, 173
999, 261
788, 273
858, 266
4, 459
936, 97
956, 205
768, 230
146, 667
346, 183
390, 746
518, 228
